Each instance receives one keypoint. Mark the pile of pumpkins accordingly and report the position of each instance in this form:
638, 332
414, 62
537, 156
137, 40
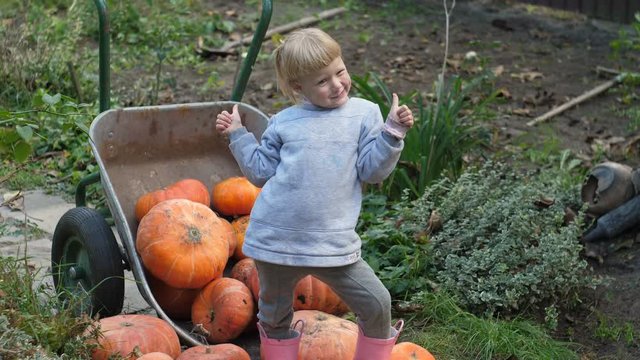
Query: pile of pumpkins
187, 236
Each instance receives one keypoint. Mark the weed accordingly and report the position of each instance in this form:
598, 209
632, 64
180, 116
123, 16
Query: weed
34, 322
609, 329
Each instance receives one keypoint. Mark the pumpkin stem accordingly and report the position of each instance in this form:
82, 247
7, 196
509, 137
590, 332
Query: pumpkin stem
194, 234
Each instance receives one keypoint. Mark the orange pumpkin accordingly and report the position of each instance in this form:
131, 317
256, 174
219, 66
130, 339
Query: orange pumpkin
231, 236
224, 308
174, 302
240, 226
325, 336
182, 243
313, 294
190, 189
410, 351
155, 356
131, 335
234, 196
310, 293
215, 352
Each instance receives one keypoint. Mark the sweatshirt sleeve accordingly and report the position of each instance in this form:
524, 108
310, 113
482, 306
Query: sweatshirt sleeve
257, 160
378, 152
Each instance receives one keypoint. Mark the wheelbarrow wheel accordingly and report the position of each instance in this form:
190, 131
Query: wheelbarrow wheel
87, 264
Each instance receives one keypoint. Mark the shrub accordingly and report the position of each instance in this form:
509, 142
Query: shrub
496, 239
504, 243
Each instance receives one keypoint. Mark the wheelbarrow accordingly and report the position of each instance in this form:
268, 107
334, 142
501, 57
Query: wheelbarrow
140, 149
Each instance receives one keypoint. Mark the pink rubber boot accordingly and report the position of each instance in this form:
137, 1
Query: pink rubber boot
280, 349
376, 349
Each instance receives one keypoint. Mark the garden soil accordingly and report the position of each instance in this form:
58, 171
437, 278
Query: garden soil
541, 58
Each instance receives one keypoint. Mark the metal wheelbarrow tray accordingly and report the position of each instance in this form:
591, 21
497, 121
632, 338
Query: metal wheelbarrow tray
138, 150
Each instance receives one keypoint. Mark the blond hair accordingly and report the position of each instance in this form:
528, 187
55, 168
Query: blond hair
303, 52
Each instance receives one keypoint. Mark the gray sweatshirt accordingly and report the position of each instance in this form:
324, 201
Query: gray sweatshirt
310, 163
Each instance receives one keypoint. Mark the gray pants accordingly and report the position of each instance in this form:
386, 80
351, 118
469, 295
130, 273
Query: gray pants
356, 284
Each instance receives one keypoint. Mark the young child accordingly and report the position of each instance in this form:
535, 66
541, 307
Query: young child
310, 163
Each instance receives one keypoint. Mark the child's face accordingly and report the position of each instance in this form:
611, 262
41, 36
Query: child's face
328, 87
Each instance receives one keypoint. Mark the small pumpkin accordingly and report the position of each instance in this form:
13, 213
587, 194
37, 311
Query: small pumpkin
313, 294
224, 308
182, 243
242, 270
132, 334
234, 196
410, 351
310, 293
191, 189
240, 227
174, 302
155, 356
325, 336
224, 351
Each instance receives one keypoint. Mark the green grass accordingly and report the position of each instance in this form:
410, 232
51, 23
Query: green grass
33, 321
451, 333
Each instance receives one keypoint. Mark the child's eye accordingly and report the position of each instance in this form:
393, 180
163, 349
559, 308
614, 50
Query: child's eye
322, 82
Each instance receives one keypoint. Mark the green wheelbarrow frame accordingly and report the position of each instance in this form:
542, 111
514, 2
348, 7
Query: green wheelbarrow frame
139, 149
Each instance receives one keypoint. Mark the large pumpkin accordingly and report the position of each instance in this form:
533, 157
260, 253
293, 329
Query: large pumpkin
132, 335
174, 302
182, 243
215, 352
234, 196
190, 189
410, 351
325, 336
224, 309
240, 227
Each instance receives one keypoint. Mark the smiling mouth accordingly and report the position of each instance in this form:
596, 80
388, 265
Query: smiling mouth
339, 95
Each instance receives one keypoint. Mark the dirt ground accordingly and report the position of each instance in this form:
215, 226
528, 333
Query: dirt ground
543, 58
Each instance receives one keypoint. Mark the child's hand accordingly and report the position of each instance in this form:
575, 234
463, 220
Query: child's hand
226, 123
399, 120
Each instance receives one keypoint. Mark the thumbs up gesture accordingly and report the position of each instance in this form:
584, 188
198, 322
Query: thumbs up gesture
227, 122
399, 120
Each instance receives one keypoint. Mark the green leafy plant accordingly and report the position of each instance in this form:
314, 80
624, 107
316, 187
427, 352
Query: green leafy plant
444, 131
54, 123
627, 42
398, 255
610, 329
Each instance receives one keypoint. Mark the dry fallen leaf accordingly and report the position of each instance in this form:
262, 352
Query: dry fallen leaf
13, 200
498, 70
503, 93
521, 112
527, 76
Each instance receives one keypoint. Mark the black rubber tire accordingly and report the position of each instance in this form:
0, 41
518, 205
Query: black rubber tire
86, 261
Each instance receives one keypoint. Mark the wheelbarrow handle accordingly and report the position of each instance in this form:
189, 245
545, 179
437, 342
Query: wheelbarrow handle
256, 42
105, 71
